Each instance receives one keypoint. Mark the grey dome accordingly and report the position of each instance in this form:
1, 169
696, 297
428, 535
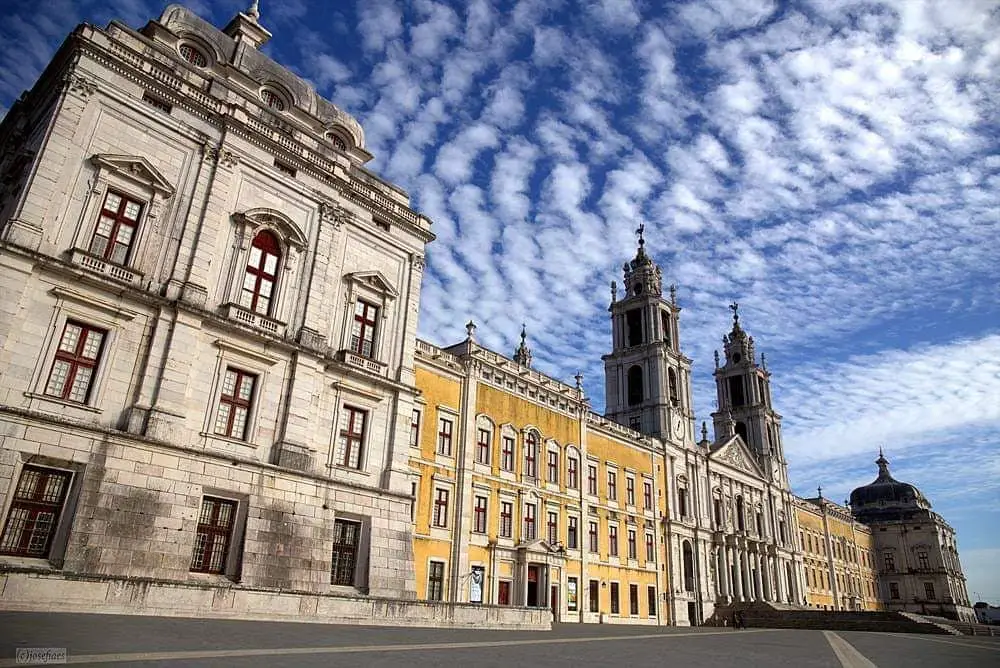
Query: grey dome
887, 491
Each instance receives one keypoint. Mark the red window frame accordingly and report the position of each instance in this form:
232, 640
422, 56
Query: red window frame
572, 532
415, 429
507, 454
193, 55
612, 486
529, 521
592, 479
503, 592
363, 329
352, 438
649, 547
346, 538
261, 275
215, 530
479, 515
272, 100
117, 225
483, 446
572, 472
592, 537
506, 519
553, 467
552, 528
647, 495
612, 540
441, 508
530, 455
445, 429
633, 550
630, 491
35, 512
71, 377
235, 402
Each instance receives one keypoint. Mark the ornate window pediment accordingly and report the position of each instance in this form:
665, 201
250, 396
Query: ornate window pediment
375, 281
134, 168
283, 226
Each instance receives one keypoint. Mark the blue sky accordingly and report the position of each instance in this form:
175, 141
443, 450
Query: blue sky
831, 165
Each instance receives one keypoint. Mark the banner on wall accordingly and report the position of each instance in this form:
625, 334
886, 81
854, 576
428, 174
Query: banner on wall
476, 584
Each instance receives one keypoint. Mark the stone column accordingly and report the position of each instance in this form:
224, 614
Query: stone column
738, 563
747, 578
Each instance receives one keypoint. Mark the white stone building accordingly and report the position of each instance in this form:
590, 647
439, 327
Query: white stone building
730, 529
209, 310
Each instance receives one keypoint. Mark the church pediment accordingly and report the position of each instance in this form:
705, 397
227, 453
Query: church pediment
734, 452
136, 168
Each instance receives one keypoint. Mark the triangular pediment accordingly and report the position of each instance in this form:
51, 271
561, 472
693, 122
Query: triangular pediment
542, 546
734, 452
374, 280
136, 168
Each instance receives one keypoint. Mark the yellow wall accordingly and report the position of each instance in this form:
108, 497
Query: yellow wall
851, 547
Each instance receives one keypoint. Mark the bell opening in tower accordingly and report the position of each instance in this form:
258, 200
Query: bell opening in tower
633, 325
736, 397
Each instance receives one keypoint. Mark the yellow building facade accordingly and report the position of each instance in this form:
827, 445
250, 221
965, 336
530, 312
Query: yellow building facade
838, 557
525, 497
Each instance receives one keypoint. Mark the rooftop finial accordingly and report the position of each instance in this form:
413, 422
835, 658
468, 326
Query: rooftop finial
704, 431
735, 308
883, 463
523, 353
579, 380
820, 491
254, 11
639, 231
673, 294
470, 331
763, 361
614, 291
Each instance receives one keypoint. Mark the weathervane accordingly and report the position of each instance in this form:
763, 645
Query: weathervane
639, 231
735, 307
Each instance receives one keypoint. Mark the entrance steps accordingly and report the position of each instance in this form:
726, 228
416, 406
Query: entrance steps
782, 616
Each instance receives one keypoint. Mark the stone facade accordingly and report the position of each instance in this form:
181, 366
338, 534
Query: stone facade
209, 316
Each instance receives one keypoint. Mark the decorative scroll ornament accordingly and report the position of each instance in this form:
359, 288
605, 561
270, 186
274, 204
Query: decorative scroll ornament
332, 213
82, 86
735, 457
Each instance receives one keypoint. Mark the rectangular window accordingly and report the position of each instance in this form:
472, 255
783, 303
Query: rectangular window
76, 360
435, 581
503, 592
923, 561
649, 548
890, 562
441, 508
615, 604
479, 515
647, 495
234, 403
552, 527
346, 538
553, 467
572, 473
506, 519
445, 427
682, 502
415, 429
632, 549
363, 329
571, 594
352, 438
507, 454
572, 533
592, 479
34, 512
929, 591
529, 521
531, 455
592, 537
483, 446
651, 600
894, 590
215, 530
633, 599
630, 490
613, 540
612, 486
594, 596
116, 228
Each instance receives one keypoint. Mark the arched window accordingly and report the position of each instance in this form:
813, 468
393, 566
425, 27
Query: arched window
635, 385
261, 273
740, 517
688, 567
741, 430
272, 100
672, 386
193, 55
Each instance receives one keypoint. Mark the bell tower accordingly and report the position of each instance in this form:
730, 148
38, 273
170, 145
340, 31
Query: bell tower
743, 390
647, 379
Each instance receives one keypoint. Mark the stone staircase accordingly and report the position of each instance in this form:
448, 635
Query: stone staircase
780, 616
955, 627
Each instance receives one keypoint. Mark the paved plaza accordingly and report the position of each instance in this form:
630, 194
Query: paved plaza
153, 642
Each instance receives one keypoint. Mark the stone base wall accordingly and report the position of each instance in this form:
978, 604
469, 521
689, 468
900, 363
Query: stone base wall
50, 592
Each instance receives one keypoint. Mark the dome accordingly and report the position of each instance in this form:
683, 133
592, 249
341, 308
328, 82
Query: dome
887, 491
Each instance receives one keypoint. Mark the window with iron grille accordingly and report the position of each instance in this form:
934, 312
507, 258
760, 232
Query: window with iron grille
613, 540
507, 454
630, 490
441, 508
506, 519
215, 530
553, 467
346, 538
531, 455
572, 533
445, 427
435, 581
483, 446
612, 486
116, 228
76, 360
529, 521
633, 599
34, 512
632, 549
647, 495
552, 527
649, 547
929, 591
234, 403
352, 438
592, 479
572, 472
415, 429
363, 329
592, 537
479, 515
261, 273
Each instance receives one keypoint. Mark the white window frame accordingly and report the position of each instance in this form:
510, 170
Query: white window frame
232, 355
